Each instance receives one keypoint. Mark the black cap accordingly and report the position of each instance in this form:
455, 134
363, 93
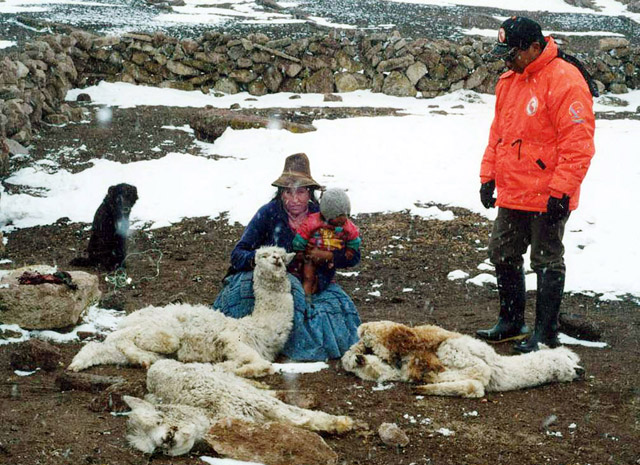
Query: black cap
519, 32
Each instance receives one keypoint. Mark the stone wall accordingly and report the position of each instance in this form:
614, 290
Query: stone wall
34, 81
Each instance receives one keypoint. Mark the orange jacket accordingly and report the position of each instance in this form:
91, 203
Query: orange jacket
541, 139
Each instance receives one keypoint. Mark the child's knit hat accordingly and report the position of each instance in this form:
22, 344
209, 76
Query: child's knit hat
333, 203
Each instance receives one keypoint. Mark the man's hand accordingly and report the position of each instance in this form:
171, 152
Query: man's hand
319, 257
557, 209
486, 194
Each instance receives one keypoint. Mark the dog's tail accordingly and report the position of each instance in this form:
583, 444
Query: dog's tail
97, 353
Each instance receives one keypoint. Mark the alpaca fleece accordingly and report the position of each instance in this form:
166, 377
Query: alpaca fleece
447, 363
187, 398
196, 333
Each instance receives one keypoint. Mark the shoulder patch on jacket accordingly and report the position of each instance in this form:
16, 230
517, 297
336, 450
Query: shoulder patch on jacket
576, 110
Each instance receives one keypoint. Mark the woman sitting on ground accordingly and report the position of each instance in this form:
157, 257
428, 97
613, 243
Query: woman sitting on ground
324, 326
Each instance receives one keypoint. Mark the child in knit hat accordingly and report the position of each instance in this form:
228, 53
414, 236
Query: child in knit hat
330, 229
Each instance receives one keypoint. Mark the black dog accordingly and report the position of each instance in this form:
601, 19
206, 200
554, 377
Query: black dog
108, 243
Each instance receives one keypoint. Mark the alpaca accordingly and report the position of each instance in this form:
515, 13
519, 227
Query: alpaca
187, 398
446, 363
196, 333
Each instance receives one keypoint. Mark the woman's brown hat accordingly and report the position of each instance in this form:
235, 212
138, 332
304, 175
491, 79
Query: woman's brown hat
296, 173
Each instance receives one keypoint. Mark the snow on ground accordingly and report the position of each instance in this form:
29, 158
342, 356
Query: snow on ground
420, 158
493, 33
96, 320
604, 7
219, 461
6, 43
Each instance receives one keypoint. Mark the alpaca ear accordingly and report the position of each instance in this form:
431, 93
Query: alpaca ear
136, 403
289, 257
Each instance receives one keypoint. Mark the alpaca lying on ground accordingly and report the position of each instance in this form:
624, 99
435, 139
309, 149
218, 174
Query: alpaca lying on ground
445, 363
187, 398
246, 346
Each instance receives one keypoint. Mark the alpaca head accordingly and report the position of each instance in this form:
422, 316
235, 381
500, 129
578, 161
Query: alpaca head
172, 429
272, 261
567, 364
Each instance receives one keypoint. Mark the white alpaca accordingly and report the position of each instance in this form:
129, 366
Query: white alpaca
446, 363
187, 398
196, 333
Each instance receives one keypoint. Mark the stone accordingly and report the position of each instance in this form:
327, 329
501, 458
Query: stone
45, 306
269, 443
416, 71
578, 326
395, 63
398, 85
70, 381
609, 43
181, 69
243, 75
476, 78
346, 82
347, 63
618, 88
392, 435
257, 88
83, 97
320, 82
56, 118
33, 354
272, 79
209, 124
332, 98
4, 169
110, 399
226, 85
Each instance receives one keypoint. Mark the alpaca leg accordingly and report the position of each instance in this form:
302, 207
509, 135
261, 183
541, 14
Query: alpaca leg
309, 419
97, 353
368, 366
157, 340
136, 355
243, 360
461, 388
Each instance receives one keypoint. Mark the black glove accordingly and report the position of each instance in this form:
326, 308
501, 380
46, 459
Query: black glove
486, 194
558, 209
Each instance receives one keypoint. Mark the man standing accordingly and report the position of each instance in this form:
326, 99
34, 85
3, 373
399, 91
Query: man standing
540, 147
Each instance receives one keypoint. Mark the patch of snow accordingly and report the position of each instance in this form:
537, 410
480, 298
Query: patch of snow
225, 461
446, 432
348, 274
25, 373
457, 274
310, 367
382, 387
482, 279
568, 340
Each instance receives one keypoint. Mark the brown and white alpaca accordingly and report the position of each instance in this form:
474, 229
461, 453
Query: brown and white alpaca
447, 363
196, 333
187, 398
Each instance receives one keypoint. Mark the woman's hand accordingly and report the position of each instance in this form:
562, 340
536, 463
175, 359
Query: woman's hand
319, 257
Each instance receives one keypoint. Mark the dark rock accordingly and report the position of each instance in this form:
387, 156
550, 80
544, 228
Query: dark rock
33, 354
578, 326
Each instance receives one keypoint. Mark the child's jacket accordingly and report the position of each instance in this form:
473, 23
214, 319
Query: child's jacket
325, 236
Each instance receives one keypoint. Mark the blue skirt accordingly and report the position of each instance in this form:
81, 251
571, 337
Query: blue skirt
323, 329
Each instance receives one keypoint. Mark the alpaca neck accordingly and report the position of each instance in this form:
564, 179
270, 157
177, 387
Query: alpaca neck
270, 292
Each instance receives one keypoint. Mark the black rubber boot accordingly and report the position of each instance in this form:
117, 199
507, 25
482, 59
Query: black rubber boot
549, 296
513, 296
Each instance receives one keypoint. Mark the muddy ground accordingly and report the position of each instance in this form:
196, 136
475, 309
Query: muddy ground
596, 419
